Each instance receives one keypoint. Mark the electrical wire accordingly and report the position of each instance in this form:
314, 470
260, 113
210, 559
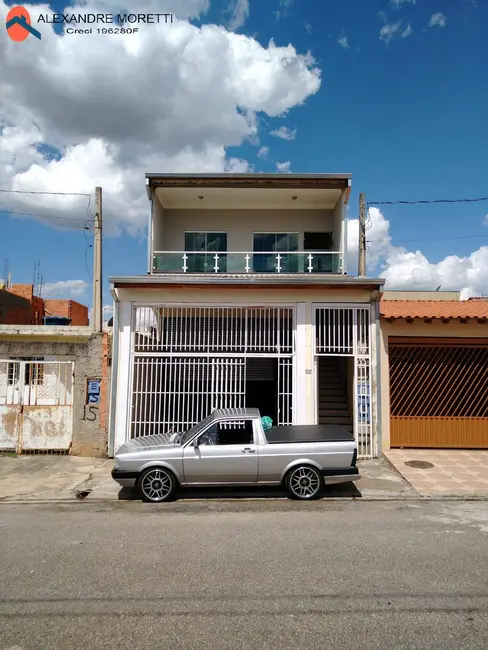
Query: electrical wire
48, 193
475, 200
406, 241
41, 216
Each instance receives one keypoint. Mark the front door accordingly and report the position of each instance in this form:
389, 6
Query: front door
226, 453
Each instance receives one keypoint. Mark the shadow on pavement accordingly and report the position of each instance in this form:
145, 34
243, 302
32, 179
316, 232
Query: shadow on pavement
345, 490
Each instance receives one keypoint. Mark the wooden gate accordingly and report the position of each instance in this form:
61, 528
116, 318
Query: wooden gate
439, 394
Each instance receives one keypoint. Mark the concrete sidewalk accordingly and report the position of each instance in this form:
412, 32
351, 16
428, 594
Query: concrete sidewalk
43, 478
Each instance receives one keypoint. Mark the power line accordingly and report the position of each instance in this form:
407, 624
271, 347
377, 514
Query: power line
50, 193
476, 200
42, 216
406, 241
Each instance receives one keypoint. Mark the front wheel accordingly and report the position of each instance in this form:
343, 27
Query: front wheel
303, 482
157, 485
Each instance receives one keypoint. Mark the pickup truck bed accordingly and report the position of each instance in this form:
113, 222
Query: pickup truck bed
309, 433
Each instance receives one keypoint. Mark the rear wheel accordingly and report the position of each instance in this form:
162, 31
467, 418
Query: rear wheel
304, 482
157, 484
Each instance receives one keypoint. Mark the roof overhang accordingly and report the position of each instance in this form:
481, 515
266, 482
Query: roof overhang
275, 281
252, 191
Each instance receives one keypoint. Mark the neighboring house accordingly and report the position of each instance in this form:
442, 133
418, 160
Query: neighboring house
54, 382
246, 302
20, 306
434, 371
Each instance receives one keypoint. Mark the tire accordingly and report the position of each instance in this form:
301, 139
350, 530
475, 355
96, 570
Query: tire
157, 485
304, 482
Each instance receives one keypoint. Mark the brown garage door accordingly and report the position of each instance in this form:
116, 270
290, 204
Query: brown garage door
439, 394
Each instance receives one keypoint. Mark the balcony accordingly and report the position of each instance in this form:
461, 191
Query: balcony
247, 262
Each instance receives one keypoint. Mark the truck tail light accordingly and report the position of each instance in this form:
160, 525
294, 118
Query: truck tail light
354, 458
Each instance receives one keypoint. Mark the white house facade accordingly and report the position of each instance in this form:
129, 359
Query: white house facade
246, 302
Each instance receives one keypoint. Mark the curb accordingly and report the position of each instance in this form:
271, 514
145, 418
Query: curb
99, 501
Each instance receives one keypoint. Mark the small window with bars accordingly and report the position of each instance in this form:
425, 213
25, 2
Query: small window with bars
34, 372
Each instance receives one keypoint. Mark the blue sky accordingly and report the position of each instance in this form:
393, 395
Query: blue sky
406, 117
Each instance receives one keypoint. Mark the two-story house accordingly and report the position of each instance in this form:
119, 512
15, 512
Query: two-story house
246, 302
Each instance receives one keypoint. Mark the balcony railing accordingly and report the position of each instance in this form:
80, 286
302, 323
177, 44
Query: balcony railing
262, 262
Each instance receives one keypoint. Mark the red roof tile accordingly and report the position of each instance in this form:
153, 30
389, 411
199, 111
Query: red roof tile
434, 309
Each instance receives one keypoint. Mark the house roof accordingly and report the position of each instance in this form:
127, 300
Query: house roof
253, 180
247, 279
431, 309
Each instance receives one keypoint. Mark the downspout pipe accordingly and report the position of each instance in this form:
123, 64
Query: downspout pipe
114, 375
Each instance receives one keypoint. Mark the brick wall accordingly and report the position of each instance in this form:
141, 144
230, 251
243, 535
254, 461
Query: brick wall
67, 309
37, 308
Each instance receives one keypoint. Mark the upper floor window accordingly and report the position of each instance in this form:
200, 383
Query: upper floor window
267, 246
202, 247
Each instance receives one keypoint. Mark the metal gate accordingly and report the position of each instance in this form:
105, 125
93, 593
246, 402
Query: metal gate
438, 394
346, 332
36, 405
187, 361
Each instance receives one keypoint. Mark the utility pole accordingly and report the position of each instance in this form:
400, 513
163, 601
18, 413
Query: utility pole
362, 235
97, 263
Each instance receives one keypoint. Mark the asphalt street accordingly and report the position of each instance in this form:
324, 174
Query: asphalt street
339, 575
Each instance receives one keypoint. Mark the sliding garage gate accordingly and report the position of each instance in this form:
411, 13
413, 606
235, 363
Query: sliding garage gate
439, 394
187, 362
346, 332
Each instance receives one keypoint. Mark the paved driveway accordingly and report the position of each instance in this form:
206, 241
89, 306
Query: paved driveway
443, 472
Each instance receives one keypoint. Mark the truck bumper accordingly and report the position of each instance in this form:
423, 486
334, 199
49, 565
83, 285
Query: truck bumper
334, 476
124, 479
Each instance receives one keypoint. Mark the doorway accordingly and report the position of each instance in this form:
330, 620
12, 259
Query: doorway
262, 386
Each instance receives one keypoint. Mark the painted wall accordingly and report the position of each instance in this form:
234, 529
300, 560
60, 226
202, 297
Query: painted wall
419, 329
91, 361
240, 225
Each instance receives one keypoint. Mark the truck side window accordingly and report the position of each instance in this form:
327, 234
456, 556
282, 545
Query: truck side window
235, 433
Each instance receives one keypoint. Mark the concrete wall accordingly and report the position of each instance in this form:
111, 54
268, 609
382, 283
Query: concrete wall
421, 295
239, 225
418, 329
91, 360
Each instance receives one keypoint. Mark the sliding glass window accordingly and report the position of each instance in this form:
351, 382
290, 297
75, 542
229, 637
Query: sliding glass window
266, 248
202, 247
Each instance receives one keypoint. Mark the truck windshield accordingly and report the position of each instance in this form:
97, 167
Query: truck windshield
188, 435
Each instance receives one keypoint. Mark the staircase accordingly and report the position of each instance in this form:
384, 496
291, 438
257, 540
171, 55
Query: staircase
332, 398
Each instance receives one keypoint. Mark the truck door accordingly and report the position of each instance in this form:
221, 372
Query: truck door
226, 453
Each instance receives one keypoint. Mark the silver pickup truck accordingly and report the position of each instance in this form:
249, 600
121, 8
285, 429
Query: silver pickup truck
230, 447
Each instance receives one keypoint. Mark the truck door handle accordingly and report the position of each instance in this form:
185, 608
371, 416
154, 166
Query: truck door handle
248, 450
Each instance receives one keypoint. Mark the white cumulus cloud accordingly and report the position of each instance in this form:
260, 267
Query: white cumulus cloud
283, 167
284, 133
410, 270
437, 20
79, 111
240, 13
397, 4
263, 152
343, 42
65, 289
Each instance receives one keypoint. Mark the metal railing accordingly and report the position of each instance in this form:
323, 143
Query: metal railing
247, 262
